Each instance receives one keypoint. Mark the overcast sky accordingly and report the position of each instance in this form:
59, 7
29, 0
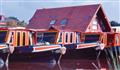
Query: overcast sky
25, 9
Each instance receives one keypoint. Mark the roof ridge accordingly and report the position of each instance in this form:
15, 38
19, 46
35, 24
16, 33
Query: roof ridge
68, 7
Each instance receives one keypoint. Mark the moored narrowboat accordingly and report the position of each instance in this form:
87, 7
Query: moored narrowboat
20, 40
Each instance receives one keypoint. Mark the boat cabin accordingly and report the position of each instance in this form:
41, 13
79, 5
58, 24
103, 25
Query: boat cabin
46, 36
113, 39
27, 40
16, 37
64, 38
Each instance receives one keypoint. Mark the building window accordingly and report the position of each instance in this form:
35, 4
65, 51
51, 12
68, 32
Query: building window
52, 22
114, 29
64, 22
95, 24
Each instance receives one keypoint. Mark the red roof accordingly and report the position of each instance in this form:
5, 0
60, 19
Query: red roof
79, 17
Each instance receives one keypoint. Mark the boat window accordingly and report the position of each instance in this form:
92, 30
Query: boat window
32, 38
78, 38
29, 41
91, 38
18, 39
60, 39
117, 39
11, 38
3, 36
110, 39
23, 38
49, 37
39, 37
66, 38
71, 36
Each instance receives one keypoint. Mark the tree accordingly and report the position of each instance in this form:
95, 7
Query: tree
13, 22
22, 23
114, 23
13, 18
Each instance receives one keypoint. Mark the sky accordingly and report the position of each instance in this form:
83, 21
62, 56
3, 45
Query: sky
25, 9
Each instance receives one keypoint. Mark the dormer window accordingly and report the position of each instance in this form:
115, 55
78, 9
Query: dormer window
52, 22
64, 22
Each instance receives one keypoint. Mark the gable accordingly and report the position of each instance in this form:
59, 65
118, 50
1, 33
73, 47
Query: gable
99, 23
103, 21
94, 26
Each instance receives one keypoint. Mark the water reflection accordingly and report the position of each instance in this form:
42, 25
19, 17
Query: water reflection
66, 64
71, 61
1, 63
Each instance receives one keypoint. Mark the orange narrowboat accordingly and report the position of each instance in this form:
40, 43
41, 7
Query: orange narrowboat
20, 40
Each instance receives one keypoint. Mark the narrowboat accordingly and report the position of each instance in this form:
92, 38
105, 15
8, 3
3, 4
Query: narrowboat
19, 40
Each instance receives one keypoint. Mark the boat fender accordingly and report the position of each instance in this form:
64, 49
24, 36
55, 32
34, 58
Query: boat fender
1, 63
47, 43
63, 50
100, 46
11, 48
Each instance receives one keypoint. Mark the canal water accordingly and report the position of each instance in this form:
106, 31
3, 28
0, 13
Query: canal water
66, 64
71, 61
